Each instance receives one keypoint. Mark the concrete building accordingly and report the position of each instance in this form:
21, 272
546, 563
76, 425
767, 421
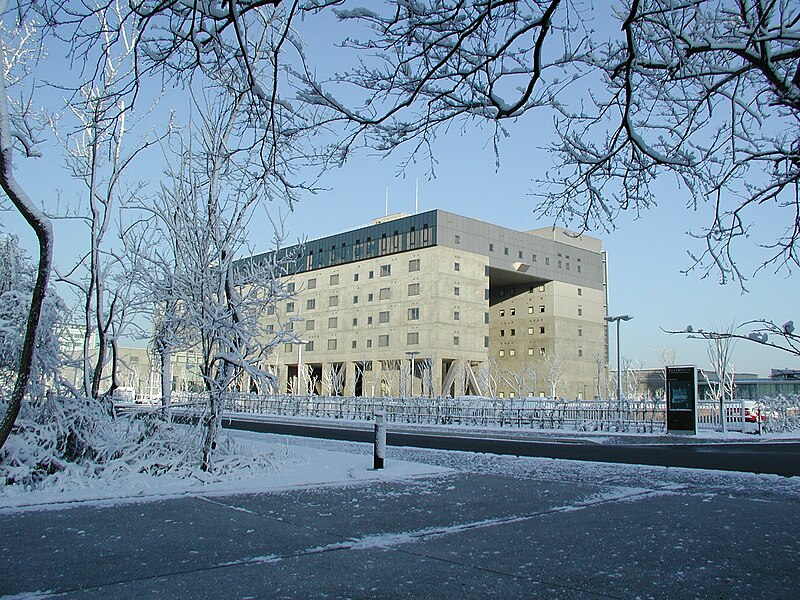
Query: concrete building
441, 304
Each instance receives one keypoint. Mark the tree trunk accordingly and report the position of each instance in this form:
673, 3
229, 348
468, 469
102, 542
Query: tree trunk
44, 233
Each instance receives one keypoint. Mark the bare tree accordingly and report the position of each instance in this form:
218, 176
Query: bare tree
706, 92
17, 133
554, 366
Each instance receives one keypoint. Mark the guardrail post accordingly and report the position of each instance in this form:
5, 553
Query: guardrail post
379, 445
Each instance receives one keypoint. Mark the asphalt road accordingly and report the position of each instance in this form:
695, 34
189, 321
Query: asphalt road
781, 458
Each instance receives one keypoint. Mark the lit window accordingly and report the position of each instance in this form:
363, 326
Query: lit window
530, 351
502, 353
512, 352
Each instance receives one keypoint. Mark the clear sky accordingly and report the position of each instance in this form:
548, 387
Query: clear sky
647, 252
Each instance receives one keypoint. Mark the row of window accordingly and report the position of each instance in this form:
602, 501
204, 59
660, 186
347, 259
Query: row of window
412, 339
383, 317
534, 257
531, 352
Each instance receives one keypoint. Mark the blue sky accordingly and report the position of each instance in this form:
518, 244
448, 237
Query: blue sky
647, 252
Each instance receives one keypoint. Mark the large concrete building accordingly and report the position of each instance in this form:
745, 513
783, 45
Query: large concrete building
467, 307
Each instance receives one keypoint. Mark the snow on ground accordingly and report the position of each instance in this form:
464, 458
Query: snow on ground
293, 466
299, 462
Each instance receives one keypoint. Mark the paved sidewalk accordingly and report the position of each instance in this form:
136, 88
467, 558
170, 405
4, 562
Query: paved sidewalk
464, 535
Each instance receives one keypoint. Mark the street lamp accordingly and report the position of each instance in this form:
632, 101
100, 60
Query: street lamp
411, 354
617, 319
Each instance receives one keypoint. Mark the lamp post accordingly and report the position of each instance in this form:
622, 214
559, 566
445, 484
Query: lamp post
411, 354
617, 320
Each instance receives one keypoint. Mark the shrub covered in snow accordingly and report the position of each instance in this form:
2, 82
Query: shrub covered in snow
65, 443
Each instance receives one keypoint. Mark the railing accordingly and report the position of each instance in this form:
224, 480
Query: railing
536, 413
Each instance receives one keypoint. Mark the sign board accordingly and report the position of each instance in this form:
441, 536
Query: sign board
682, 400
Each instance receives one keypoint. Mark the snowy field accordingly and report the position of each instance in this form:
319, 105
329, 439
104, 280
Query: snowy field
288, 462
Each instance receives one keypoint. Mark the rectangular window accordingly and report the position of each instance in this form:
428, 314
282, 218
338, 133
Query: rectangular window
413, 265
332, 344
512, 352
412, 338
287, 347
486, 341
580, 311
290, 287
456, 340
457, 239
456, 316
310, 346
312, 284
491, 247
310, 324
333, 301
311, 304
541, 288
413, 314
530, 310
383, 316
456, 291
355, 277
355, 299
371, 274
486, 317
383, 341
541, 330
520, 254
369, 343
505, 250
541, 351
385, 293
547, 260
580, 352
457, 266
270, 310
386, 270
333, 322
580, 291
512, 312
270, 329
502, 312
513, 332
530, 330
289, 307
355, 322
369, 320
413, 289
335, 279
502, 353
580, 332
354, 344
502, 333
370, 297
541, 308
530, 351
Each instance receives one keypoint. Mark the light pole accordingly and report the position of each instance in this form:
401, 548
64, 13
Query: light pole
617, 319
300, 344
411, 354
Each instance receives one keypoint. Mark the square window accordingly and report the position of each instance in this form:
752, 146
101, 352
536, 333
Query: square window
541, 308
333, 322
385, 293
412, 338
512, 312
386, 270
413, 289
335, 279
333, 301
513, 332
332, 344
512, 352
383, 316
312, 284
289, 307
290, 287
530, 351
413, 314
502, 312
383, 341
310, 324
311, 304
270, 329
413, 265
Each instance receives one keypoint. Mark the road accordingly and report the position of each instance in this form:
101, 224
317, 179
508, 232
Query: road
753, 457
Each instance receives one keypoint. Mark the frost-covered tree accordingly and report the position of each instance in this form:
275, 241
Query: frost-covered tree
195, 230
17, 281
706, 92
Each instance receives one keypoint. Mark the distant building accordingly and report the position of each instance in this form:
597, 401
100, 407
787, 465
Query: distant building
469, 304
747, 386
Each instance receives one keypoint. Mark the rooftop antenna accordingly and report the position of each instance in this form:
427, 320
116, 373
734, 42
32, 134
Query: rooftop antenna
416, 199
386, 208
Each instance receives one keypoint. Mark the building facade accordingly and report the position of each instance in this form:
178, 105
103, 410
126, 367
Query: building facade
438, 304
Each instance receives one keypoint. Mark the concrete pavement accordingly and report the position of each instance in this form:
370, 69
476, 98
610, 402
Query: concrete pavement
464, 535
